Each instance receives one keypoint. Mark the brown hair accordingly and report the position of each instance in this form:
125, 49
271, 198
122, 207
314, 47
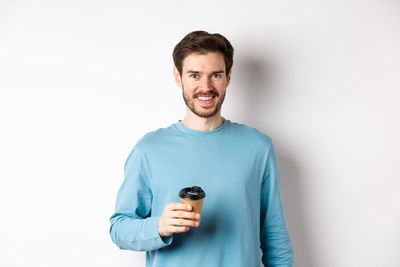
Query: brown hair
203, 42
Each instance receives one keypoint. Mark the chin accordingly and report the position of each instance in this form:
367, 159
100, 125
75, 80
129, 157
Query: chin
210, 113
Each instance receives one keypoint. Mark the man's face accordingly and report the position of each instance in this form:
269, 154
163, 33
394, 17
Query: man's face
203, 75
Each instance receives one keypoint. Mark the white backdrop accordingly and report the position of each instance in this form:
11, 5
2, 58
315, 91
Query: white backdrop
82, 81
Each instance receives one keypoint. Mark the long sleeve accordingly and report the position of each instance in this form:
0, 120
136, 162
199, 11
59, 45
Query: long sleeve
132, 226
276, 243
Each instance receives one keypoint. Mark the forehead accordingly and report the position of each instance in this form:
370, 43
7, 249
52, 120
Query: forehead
208, 61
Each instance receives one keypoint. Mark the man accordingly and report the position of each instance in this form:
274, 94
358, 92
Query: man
234, 164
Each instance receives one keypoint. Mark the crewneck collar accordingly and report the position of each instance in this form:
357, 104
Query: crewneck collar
190, 131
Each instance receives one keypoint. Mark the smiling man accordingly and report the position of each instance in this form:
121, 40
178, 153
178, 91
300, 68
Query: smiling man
235, 165
203, 71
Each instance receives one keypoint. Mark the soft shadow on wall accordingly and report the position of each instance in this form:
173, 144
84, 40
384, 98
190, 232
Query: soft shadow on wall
258, 80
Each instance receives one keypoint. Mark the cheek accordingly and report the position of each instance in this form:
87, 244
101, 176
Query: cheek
220, 86
189, 91
189, 87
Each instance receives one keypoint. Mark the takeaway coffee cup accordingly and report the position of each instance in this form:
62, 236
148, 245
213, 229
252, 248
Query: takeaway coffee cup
194, 196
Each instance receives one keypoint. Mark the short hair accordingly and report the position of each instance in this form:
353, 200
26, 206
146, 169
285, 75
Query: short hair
203, 42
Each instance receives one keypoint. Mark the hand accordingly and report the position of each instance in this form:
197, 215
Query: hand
177, 214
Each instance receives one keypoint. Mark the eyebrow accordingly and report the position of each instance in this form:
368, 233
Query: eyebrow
194, 71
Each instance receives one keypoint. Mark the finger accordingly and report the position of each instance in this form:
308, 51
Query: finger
179, 206
178, 229
184, 222
184, 214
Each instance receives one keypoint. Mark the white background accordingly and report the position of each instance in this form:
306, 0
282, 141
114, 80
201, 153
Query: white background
82, 81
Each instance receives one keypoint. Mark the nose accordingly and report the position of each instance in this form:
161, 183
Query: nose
205, 83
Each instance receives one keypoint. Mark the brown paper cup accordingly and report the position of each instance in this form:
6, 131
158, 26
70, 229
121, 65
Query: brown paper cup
196, 204
193, 196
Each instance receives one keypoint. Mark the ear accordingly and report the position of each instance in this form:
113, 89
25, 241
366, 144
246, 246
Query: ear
177, 76
228, 77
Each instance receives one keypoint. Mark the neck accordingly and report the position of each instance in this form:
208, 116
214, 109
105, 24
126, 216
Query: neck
202, 124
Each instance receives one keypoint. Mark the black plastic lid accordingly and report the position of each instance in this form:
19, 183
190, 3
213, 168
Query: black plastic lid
192, 193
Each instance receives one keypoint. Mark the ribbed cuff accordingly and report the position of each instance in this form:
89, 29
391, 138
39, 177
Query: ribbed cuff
161, 241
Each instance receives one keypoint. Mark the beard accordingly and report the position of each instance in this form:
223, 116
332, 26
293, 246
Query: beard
202, 112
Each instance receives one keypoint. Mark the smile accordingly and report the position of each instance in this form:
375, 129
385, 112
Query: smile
206, 101
204, 98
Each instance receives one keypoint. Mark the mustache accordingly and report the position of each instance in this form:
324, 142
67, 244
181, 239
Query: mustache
211, 93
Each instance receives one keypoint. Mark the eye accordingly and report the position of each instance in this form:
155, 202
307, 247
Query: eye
216, 75
194, 75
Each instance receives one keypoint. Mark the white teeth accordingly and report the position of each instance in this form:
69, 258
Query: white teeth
204, 98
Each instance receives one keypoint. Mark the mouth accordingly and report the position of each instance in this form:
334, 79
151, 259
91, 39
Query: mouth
206, 101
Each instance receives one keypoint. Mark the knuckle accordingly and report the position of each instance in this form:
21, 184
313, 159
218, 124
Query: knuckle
184, 228
168, 214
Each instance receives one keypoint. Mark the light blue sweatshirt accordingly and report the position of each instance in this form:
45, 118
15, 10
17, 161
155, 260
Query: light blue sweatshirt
236, 166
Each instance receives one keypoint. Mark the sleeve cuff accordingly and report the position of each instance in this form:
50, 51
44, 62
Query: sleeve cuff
161, 241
